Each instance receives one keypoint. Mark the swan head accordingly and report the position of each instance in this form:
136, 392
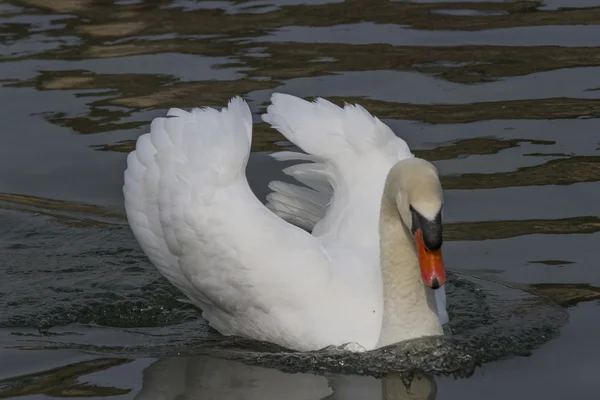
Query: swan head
418, 196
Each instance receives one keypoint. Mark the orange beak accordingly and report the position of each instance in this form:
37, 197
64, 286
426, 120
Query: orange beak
432, 264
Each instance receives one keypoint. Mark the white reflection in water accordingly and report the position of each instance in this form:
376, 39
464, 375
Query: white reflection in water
207, 378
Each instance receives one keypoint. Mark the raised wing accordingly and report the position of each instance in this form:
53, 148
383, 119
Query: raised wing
350, 153
253, 274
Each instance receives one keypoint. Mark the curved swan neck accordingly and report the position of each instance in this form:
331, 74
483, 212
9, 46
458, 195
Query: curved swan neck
409, 306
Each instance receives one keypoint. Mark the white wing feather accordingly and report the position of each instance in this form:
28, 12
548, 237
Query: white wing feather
253, 274
350, 154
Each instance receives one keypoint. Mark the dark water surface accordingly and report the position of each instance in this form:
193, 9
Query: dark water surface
503, 96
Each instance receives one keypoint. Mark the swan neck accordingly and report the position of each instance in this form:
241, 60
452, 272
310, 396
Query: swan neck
409, 306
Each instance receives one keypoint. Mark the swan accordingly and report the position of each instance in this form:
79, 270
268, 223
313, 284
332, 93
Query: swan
351, 254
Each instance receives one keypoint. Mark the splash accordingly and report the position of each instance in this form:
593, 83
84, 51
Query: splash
489, 321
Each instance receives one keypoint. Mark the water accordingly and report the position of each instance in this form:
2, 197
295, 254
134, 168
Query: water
502, 96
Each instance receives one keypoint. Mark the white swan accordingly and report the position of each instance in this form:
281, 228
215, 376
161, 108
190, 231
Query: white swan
373, 208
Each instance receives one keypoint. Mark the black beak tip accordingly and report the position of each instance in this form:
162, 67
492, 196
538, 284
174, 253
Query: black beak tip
435, 283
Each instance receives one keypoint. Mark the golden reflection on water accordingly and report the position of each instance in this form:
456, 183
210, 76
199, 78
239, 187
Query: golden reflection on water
64, 381
142, 17
106, 29
567, 295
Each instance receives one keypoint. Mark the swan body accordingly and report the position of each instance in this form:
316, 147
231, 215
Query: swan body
254, 270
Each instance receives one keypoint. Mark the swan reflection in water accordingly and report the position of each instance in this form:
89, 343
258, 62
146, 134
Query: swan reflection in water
207, 378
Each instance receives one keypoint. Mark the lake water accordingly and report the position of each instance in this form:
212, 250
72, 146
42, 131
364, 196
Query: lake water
504, 97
